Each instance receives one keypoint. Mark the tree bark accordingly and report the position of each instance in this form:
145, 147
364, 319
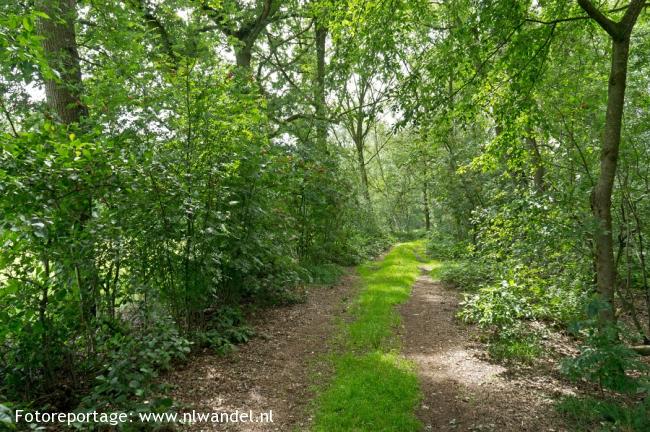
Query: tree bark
319, 90
362, 169
601, 197
60, 47
243, 56
601, 200
538, 165
248, 32
358, 130
427, 212
63, 97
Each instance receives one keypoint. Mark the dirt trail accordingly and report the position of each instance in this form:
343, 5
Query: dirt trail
273, 371
461, 391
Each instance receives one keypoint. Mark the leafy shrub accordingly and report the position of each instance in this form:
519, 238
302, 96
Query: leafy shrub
6, 418
324, 273
226, 329
467, 275
273, 284
130, 365
363, 245
496, 307
444, 246
605, 360
518, 346
527, 290
591, 414
502, 310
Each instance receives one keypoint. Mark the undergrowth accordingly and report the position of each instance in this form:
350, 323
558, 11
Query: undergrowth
512, 302
589, 414
324, 273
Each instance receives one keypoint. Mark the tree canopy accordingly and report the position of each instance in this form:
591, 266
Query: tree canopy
166, 163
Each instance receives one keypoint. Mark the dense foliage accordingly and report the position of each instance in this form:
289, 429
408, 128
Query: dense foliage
139, 221
518, 131
166, 164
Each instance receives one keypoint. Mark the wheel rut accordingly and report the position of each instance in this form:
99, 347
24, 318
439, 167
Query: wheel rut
461, 391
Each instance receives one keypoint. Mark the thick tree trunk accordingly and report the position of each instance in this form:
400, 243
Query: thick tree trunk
60, 47
244, 55
64, 99
601, 199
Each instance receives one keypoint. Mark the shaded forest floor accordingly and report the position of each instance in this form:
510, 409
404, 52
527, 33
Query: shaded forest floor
280, 368
462, 390
275, 371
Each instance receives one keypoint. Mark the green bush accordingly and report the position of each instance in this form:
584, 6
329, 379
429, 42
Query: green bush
496, 307
226, 329
443, 246
363, 245
503, 310
324, 273
605, 360
6, 418
519, 345
130, 364
467, 275
587, 414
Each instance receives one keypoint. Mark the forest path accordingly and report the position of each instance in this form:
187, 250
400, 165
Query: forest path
278, 369
274, 371
461, 391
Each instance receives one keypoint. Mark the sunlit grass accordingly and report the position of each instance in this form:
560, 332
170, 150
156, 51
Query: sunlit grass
370, 392
374, 388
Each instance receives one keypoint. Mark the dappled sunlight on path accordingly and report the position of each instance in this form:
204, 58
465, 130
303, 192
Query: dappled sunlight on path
272, 372
461, 391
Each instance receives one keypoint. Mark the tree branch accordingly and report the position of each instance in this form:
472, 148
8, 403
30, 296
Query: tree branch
557, 21
157, 26
8, 116
253, 29
631, 15
611, 27
219, 19
579, 17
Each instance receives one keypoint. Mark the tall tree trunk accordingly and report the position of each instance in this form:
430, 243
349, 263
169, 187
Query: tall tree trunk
362, 169
244, 55
427, 212
64, 99
60, 47
359, 133
319, 90
601, 197
538, 165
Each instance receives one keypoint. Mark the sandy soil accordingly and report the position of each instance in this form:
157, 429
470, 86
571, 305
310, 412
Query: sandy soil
274, 371
462, 391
